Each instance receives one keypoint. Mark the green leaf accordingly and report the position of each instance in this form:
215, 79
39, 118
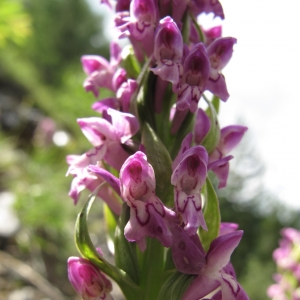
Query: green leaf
211, 140
159, 158
186, 127
175, 286
111, 223
185, 31
198, 28
130, 62
169, 264
211, 215
216, 103
88, 251
145, 99
125, 252
152, 261
82, 237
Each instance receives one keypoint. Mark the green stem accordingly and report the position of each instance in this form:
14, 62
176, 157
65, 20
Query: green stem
152, 269
198, 28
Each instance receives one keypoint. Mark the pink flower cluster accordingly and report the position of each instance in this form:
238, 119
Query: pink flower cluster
287, 258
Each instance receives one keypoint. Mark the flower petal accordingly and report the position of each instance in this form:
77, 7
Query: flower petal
107, 176
221, 249
187, 256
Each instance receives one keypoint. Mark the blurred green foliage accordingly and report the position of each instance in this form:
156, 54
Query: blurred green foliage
14, 22
41, 78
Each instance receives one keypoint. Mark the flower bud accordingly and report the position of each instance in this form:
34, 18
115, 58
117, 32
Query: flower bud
87, 280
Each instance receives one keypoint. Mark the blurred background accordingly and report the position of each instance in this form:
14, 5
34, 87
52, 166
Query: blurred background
41, 95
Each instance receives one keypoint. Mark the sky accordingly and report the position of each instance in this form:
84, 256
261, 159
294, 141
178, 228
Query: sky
262, 79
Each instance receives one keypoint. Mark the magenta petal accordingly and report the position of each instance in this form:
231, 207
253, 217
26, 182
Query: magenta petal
219, 162
115, 154
218, 87
91, 86
104, 104
125, 92
168, 50
97, 130
185, 97
78, 162
222, 174
202, 126
168, 71
168, 41
154, 225
177, 118
221, 249
137, 177
115, 54
217, 296
207, 6
111, 179
231, 137
196, 67
229, 269
87, 280
220, 51
82, 179
221, 168
123, 5
78, 185
197, 64
193, 164
118, 78
231, 289
196, 71
291, 234
185, 145
201, 287
187, 257
190, 209
160, 88
188, 178
178, 9
226, 227
212, 34
125, 125
91, 63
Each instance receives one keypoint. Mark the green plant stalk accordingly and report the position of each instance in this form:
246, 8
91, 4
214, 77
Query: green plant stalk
152, 270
